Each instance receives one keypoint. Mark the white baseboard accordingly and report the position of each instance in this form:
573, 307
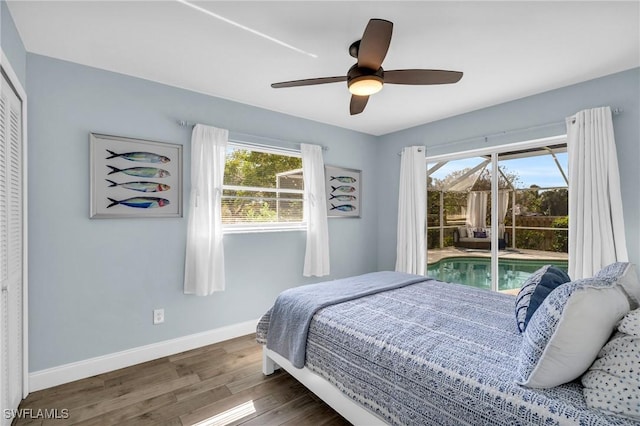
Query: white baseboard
66, 373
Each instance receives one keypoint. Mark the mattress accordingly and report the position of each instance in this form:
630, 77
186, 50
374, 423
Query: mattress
435, 353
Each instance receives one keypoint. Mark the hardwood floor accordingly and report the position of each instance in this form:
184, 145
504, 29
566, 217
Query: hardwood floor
185, 389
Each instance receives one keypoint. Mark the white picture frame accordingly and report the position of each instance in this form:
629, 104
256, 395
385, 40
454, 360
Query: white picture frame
134, 178
343, 189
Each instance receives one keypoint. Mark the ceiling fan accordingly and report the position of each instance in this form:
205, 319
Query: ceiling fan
366, 77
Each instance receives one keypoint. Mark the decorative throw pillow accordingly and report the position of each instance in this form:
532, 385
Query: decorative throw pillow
534, 290
462, 232
487, 232
479, 234
625, 274
630, 325
568, 330
612, 382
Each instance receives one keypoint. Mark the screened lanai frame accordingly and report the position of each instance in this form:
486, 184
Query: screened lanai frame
491, 157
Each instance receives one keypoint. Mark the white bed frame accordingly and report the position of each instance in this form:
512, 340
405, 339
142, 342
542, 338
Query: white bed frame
337, 400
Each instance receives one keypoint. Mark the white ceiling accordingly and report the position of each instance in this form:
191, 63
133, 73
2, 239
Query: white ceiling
507, 50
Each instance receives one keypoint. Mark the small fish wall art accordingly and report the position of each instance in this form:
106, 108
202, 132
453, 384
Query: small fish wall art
146, 172
143, 186
140, 202
145, 157
133, 178
344, 189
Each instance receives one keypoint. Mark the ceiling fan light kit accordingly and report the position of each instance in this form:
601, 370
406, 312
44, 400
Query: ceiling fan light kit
367, 77
364, 82
365, 86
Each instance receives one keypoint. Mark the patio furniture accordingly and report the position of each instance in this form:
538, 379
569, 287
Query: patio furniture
462, 239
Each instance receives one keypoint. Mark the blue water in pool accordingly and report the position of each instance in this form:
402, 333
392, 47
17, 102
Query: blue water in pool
476, 271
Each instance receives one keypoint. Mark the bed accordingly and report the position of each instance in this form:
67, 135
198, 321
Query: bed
424, 353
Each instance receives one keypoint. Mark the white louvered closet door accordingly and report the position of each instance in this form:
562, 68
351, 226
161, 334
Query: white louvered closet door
11, 257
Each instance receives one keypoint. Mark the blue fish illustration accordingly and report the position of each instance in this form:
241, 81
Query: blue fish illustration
343, 207
343, 179
142, 186
343, 197
145, 157
140, 202
147, 172
343, 188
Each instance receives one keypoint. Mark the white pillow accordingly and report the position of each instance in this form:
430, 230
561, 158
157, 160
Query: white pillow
625, 274
612, 382
462, 232
630, 324
568, 330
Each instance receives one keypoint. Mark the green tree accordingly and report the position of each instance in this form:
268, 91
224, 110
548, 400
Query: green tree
529, 200
555, 202
260, 169
254, 168
561, 237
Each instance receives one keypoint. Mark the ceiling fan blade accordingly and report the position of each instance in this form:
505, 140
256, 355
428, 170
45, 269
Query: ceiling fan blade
422, 77
309, 82
375, 43
357, 104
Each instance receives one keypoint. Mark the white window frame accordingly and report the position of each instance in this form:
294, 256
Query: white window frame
242, 228
494, 151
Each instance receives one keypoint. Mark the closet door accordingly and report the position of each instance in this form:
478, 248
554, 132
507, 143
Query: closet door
11, 250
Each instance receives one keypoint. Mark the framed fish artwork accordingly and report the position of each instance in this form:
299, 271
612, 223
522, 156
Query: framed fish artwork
133, 178
344, 189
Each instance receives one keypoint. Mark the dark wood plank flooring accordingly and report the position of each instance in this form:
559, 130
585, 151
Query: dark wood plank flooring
218, 384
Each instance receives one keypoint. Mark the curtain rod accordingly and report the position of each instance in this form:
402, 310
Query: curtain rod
614, 111
238, 137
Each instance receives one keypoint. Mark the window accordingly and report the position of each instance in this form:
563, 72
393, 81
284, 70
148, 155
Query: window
262, 190
492, 230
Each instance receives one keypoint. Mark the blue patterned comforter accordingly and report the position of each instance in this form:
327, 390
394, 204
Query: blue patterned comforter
292, 313
434, 353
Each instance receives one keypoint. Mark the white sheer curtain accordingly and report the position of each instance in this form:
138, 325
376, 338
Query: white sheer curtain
596, 223
204, 262
412, 211
316, 258
503, 206
477, 209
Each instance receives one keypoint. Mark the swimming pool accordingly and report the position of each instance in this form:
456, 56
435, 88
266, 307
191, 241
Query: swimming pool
476, 271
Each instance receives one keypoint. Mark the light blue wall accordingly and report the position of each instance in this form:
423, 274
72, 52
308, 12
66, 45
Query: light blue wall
621, 90
94, 283
12, 43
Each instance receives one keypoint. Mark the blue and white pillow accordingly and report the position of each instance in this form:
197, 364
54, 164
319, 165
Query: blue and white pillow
568, 330
534, 290
624, 273
612, 382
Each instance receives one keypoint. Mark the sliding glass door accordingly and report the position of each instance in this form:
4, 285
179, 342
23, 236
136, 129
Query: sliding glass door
536, 212
492, 230
459, 220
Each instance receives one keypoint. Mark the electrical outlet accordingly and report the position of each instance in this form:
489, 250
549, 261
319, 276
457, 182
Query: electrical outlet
158, 316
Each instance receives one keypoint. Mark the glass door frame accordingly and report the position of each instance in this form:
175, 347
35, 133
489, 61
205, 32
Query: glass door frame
493, 151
